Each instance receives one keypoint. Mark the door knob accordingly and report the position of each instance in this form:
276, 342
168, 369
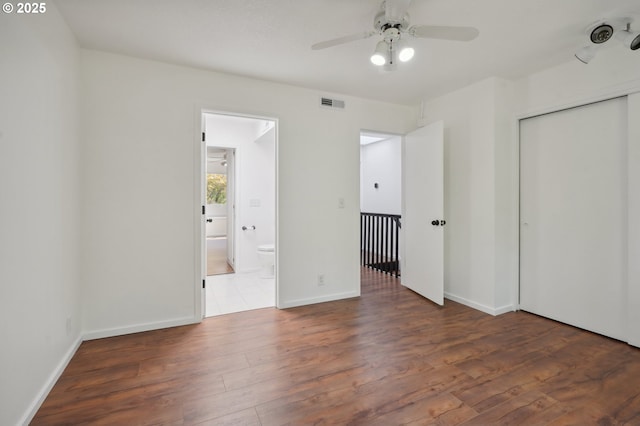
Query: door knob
443, 222
209, 219
435, 222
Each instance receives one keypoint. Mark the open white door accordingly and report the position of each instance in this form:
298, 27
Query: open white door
422, 212
231, 207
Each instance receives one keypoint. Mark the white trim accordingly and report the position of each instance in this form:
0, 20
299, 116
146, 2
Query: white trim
616, 91
59, 369
199, 225
480, 307
515, 210
321, 299
50, 382
121, 331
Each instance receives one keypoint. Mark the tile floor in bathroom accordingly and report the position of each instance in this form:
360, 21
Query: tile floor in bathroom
237, 292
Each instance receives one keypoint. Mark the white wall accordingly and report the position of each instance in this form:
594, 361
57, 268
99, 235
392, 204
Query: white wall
476, 140
614, 69
39, 208
255, 182
381, 162
257, 198
139, 114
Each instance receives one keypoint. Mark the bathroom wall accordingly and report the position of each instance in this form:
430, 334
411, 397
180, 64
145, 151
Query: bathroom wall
255, 179
381, 162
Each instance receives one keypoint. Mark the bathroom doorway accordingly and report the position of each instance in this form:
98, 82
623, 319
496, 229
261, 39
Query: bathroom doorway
240, 212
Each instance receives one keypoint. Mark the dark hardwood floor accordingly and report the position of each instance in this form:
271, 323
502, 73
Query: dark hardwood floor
389, 357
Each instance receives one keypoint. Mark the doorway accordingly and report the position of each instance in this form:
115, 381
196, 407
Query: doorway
401, 184
239, 183
219, 210
380, 201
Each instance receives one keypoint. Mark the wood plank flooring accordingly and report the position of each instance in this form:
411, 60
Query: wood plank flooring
389, 357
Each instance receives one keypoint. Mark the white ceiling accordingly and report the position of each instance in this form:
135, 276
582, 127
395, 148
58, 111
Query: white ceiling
271, 39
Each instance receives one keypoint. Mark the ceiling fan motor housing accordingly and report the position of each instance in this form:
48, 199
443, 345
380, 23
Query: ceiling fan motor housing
381, 24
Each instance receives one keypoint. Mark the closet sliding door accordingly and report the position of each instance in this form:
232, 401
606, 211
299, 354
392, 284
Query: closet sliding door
573, 216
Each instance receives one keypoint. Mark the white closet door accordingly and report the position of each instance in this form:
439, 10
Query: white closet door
573, 216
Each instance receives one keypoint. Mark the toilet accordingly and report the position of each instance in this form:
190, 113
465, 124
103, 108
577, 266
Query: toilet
267, 255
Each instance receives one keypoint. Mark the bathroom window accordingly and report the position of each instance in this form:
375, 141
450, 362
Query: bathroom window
216, 188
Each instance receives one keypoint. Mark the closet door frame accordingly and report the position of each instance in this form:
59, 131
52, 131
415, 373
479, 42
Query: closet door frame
632, 91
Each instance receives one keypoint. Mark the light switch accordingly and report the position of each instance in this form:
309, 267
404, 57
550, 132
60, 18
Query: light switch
254, 202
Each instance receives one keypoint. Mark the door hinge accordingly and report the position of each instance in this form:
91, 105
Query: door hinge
203, 136
203, 283
202, 209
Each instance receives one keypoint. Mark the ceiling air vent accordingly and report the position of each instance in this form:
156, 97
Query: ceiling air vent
331, 103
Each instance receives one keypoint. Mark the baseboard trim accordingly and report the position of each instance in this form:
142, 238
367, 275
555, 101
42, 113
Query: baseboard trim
313, 300
50, 382
479, 306
57, 372
138, 328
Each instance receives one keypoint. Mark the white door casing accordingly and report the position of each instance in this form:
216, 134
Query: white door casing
423, 203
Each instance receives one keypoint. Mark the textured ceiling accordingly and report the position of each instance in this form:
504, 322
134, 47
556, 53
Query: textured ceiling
271, 39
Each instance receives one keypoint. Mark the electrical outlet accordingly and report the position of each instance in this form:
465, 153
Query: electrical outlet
341, 203
320, 280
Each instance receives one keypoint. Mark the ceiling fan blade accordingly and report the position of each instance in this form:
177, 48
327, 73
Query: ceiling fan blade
342, 40
394, 10
444, 33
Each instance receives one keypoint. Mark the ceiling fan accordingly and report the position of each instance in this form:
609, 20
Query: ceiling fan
392, 23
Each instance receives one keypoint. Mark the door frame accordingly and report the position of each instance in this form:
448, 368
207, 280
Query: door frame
199, 200
606, 324
630, 89
600, 96
385, 133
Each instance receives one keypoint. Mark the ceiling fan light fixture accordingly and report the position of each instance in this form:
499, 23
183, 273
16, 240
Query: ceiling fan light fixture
405, 52
601, 33
381, 53
392, 23
630, 39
